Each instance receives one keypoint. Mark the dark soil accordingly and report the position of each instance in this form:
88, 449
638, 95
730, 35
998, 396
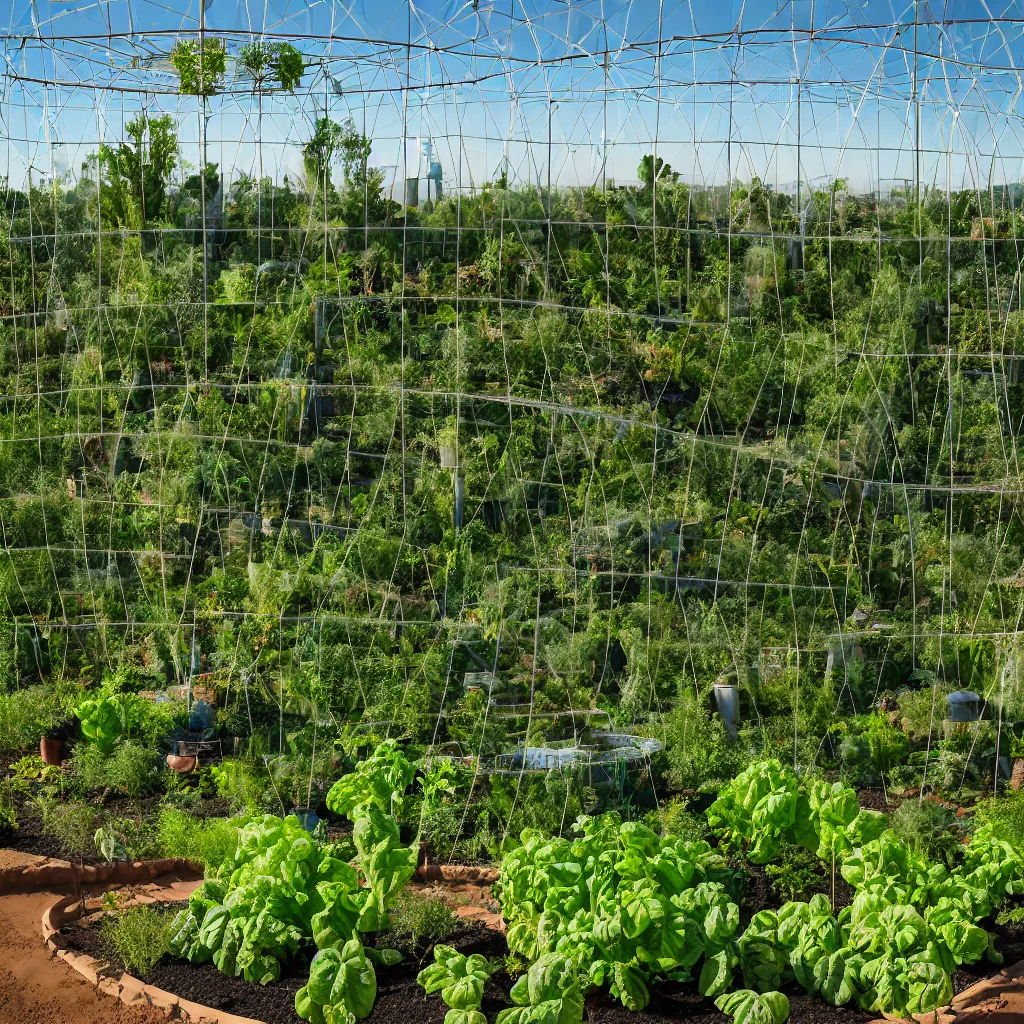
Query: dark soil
879, 800
761, 895
673, 1002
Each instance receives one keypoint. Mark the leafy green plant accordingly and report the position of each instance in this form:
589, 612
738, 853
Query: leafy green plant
747, 1007
25, 716
280, 61
928, 828
370, 796
29, 772
379, 782
8, 811
132, 771
460, 979
73, 825
200, 65
795, 872
766, 807
423, 917
550, 991
623, 905
211, 843
1004, 815
342, 986
102, 722
140, 937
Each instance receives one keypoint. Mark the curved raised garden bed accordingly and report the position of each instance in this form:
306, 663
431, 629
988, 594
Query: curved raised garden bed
127, 989
978, 998
50, 873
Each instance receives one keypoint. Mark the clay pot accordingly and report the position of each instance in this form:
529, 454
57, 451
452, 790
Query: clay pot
181, 764
51, 751
1017, 778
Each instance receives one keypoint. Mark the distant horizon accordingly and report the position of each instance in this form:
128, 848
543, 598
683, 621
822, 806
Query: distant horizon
571, 94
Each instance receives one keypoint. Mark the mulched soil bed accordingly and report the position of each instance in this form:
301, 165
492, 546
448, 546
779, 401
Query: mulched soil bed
672, 1003
401, 1001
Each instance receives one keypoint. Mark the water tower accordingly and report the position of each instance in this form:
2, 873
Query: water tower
428, 168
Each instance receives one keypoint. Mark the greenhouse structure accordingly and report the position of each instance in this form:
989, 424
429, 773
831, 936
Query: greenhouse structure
510, 511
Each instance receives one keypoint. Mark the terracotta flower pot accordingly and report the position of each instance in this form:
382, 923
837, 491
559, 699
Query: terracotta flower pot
51, 751
181, 764
1017, 778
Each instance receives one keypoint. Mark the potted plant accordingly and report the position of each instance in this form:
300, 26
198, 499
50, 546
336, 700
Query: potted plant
54, 741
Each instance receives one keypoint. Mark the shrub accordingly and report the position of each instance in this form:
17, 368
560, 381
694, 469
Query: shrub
928, 828
139, 935
698, 752
132, 770
1006, 816
88, 769
73, 825
210, 843
25, 716
423, 917
674, 819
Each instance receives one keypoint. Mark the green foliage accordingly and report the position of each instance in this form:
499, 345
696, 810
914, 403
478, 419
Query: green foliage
1004, 815
423, 917
140, 936
928, 828
72, 824
378, 783
26, 716
279, 61
102, 722
342, 986
137, 173
460, 979
211, 842
200, 66
622, 904
746, 1007
121, 838
795, 872
766, 806
550, 991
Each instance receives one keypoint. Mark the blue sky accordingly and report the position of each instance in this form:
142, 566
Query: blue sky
736, 87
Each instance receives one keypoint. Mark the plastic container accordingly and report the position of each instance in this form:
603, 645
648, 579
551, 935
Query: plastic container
308, 818
964, 706
201, 718
727, 697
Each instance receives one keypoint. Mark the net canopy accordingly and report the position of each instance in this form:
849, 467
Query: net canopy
481, 372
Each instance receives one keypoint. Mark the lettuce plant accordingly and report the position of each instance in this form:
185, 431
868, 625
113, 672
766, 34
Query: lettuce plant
748, 1007
549, 993
342, 986
624, 905
281, 890
460, 980
378, 783
102, 722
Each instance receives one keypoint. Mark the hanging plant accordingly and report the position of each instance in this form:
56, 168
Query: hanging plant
200, 66
279, 62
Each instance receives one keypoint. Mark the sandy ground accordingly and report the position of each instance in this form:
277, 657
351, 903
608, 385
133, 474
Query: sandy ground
35, 989
999, 1001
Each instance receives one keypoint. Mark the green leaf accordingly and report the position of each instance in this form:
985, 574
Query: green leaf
748, 1007
716, 974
